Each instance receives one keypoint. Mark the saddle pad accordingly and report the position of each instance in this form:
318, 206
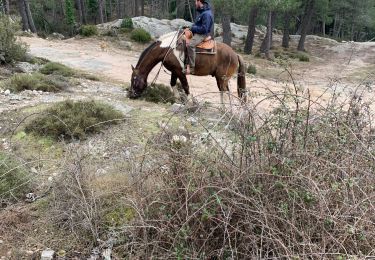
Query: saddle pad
206, 45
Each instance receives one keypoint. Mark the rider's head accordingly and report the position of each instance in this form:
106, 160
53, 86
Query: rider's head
199, 3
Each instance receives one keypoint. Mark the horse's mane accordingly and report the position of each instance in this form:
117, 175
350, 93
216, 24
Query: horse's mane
143, 54
168, 39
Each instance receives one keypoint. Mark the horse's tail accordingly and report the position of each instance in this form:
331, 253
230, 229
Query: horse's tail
241, 80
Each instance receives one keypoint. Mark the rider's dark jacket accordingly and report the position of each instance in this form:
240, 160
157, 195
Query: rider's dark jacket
204, 21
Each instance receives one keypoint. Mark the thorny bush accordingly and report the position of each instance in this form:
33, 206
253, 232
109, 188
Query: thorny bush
298, 182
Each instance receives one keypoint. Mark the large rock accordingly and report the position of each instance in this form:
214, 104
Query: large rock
158, 27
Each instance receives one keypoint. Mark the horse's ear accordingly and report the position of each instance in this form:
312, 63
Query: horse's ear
132, 67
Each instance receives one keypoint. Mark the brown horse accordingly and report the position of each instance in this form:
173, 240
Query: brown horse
221, 65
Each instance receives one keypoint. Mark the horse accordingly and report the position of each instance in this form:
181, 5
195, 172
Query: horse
167, 49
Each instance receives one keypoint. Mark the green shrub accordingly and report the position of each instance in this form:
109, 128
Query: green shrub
140, 35
303, 57
57, 69
89, 30
73, 119
127, 23
10, 49
36, 81
14, 179
251, 69
158, 94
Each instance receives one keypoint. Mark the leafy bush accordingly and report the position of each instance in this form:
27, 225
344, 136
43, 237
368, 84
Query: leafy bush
127, 23
36, 81
70, 119
88, 30
140, 35
251, 69
58, 69
158, 93
10, 49
14, 179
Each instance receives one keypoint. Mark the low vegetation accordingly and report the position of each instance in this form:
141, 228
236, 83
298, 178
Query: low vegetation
158, 93
127, 23
57, 69
10, 49
70, 120
88, 30
15, 181
140, 35
277, 180
251, 69
289, 54
36, 81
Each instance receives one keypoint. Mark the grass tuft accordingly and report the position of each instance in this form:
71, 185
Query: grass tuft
70, 119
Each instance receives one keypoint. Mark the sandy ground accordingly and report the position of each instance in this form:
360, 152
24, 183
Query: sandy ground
345, 63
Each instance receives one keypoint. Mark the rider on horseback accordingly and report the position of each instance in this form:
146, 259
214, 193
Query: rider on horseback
201, 29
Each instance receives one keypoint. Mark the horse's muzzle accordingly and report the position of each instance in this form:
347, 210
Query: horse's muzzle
133, 94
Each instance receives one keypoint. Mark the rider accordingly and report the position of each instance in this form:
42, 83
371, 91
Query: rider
200, 29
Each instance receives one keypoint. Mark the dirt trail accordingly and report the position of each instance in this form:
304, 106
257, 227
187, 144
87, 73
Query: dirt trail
330, 60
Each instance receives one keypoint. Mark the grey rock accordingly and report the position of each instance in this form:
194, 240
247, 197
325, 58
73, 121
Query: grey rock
176, 108
126, 44
47, 254
7, 92
193, 121
26, 67
57, 36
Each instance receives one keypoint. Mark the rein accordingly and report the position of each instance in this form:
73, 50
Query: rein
161, 65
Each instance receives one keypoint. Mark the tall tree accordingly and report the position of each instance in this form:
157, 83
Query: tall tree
26, 17
289, 8
70, 17
306, 20
251, 29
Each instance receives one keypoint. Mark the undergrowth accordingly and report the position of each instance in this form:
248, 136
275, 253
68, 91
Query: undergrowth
70, 119
291, 182
36, 81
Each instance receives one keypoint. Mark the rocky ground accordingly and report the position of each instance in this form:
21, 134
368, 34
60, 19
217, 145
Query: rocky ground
344, 64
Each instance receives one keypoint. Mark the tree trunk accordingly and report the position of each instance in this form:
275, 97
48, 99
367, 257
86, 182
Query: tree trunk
80, 14
24, 18
309, 10
101, 16
251, 30
265, 48
324, 28
6, 6
227, 32
142, 7
136, 8
118, 9
110, 10
286, 31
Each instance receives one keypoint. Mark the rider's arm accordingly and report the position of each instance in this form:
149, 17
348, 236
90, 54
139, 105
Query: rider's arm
204, 28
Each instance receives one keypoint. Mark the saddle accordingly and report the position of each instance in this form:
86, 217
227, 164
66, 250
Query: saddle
207, 46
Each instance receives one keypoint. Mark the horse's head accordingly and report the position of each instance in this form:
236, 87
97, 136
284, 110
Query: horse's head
138, 84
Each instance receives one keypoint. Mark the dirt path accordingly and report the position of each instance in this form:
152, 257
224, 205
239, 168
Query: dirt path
330, 61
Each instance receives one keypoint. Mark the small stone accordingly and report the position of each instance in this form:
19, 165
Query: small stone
193, 121
176, 108
50, 179
7, 92
47, 254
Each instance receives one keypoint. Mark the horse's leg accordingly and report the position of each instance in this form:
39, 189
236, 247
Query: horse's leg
173, 85
185, 85
222, 84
